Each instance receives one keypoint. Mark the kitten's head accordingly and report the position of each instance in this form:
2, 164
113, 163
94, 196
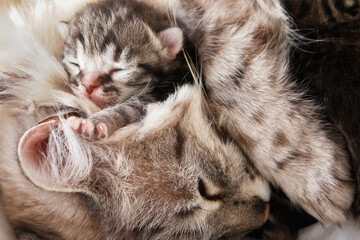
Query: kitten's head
111, 56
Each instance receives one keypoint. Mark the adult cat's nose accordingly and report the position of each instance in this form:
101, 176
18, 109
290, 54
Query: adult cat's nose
91, 81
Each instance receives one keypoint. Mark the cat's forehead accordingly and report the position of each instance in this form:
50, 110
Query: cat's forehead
109, 58
97, 28
132, 39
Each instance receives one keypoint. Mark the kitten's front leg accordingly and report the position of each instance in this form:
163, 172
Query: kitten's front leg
103, 123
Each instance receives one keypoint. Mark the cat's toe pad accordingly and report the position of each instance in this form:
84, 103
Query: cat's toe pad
102, 131
74, 123
87, 128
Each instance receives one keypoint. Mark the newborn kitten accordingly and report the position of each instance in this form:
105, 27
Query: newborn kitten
121, 55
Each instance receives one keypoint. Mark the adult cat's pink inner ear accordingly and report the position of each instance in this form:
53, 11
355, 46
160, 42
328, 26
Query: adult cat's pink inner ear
38, 164
32, 151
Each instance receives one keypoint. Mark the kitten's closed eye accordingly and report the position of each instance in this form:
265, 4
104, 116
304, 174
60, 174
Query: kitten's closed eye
115, 70
75, 64
74, 68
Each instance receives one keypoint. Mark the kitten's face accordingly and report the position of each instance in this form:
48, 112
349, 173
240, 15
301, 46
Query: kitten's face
108, 77
109, 68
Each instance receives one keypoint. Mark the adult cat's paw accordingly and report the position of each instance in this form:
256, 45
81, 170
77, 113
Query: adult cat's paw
325, 191
332, 203
88, 128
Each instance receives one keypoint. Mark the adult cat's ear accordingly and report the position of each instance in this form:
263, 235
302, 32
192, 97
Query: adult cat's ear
63, 28
50, 160
172, 40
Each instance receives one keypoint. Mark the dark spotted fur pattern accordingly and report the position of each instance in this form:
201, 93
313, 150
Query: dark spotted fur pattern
244, 52
328, 69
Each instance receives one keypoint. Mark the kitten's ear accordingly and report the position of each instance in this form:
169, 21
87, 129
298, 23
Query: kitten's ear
48, 165
172, 40
63, 28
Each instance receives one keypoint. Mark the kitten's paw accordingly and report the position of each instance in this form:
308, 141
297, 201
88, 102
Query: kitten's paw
87, 128
101, 131
74, 123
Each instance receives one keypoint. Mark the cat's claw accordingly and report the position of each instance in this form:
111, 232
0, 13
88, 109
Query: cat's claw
87, 128
102, 131
74, 123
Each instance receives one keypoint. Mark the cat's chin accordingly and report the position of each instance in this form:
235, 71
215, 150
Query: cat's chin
100, 102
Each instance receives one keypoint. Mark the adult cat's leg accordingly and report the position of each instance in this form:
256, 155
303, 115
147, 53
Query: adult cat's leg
243, 46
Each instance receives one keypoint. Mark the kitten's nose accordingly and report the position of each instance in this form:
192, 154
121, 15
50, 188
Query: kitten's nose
91, 81
90, 89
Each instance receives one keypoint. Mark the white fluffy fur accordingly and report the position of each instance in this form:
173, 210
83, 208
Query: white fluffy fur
33, 42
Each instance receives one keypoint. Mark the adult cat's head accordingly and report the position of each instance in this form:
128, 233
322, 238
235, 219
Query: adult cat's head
166, 177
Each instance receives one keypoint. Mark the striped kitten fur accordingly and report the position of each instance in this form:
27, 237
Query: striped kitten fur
122, 55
